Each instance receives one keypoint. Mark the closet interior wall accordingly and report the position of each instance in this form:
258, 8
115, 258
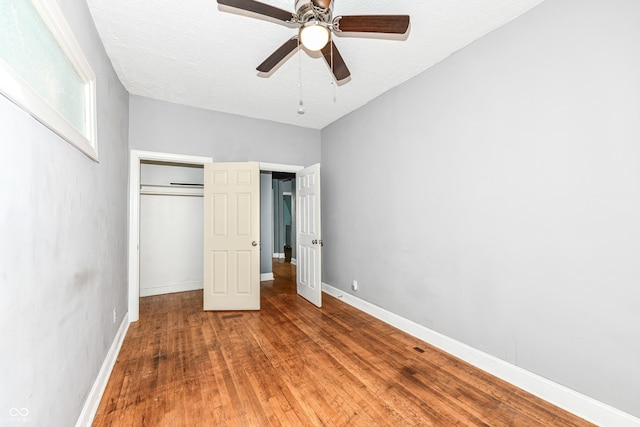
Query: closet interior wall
171, 228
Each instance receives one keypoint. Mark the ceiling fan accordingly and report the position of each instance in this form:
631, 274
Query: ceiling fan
315, 22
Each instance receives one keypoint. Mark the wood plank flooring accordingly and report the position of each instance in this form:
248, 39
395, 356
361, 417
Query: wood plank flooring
293, 364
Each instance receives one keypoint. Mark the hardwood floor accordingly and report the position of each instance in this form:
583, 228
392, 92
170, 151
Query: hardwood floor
293, 364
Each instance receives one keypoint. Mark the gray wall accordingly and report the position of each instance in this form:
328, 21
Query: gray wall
63, 248
495, 198
171, 128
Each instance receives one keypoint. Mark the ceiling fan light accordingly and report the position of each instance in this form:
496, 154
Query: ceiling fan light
314, 36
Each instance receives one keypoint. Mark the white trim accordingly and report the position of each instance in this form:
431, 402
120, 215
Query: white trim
583, 406
15, 88
170, 288
266, 276
275, 167
97, 390
277, 255
294, 261
136, 157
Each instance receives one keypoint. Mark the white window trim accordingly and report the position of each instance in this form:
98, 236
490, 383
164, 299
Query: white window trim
18, 91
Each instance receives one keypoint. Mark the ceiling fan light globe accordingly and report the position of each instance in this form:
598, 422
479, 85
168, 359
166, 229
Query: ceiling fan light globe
314, 36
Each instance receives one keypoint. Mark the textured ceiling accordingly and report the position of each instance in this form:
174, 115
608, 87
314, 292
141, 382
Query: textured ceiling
195, 53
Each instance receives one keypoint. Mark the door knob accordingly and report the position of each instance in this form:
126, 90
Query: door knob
254, 243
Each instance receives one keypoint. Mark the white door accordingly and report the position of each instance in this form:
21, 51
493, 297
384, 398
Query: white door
231, 236
309, 252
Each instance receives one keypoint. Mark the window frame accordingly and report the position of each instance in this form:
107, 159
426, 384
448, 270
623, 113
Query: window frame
17, 89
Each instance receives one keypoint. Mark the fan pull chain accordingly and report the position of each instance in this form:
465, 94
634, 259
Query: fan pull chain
300, 104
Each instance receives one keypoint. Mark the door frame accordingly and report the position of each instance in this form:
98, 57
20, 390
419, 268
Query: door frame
135, 159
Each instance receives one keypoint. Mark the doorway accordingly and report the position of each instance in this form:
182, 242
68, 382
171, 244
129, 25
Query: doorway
288, 223
284, 216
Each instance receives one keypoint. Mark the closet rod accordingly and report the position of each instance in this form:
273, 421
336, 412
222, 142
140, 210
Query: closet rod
154, 193
170, 190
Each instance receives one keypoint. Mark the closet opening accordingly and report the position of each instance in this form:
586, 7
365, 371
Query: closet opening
171, 227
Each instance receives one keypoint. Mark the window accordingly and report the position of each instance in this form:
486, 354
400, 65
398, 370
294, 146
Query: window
43, 70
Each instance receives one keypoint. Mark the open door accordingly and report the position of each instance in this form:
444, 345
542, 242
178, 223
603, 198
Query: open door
309, 241
231, 236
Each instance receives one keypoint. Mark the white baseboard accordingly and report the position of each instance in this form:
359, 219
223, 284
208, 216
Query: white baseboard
169, 289
583, 406
97, 390
266, 276
281, 256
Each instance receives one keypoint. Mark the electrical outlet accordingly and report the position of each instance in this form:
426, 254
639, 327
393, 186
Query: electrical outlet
115, 316
354, 285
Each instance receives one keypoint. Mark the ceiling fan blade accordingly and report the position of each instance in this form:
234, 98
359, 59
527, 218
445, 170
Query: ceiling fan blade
259, 8
336, 64
390, 24
277, 56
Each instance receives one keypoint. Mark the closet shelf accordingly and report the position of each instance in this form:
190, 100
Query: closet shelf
171, 190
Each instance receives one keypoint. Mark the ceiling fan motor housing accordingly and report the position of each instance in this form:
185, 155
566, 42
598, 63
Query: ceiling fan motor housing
308, 10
